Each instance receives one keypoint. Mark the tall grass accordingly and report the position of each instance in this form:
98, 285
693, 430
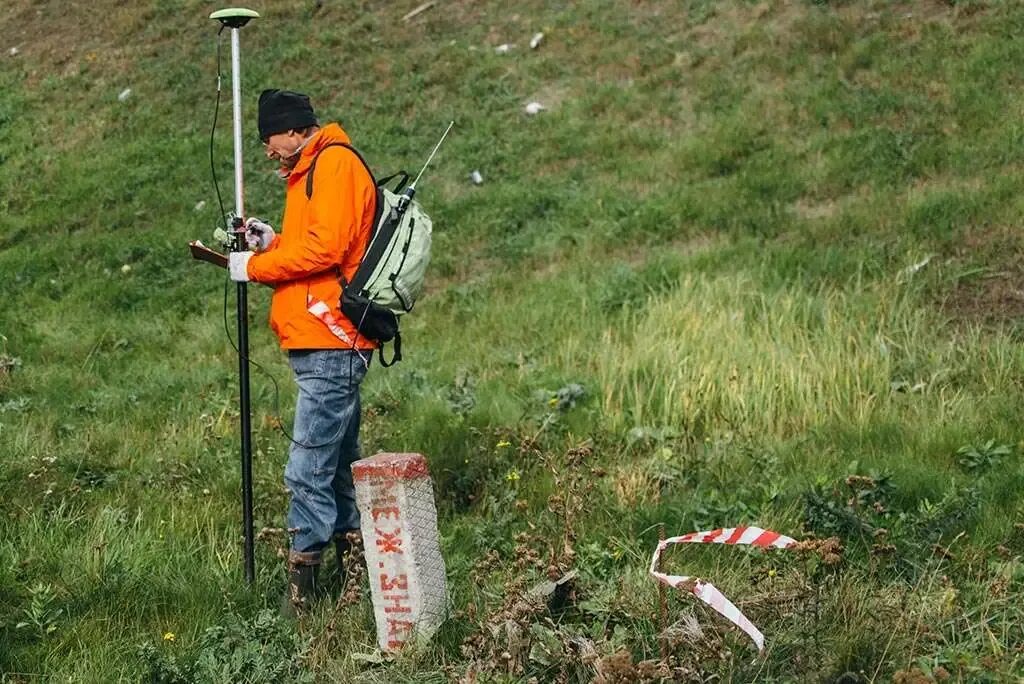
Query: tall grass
725, 349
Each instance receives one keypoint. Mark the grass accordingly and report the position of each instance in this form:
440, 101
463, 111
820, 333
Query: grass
757, 263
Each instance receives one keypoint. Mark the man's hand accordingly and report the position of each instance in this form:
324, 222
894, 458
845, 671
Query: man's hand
258, 234
238, 266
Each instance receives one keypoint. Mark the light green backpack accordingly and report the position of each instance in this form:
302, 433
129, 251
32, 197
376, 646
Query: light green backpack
390, 276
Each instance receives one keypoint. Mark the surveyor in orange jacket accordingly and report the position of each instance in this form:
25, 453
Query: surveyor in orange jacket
323, 238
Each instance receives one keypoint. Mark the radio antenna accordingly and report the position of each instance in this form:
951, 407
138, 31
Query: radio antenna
431, 157
410, 191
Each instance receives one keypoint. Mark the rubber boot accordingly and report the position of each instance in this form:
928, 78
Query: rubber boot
303, 584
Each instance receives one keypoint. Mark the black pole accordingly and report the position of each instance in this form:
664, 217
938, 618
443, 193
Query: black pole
246, 423
243, 397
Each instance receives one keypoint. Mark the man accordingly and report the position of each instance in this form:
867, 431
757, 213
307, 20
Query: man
322, 240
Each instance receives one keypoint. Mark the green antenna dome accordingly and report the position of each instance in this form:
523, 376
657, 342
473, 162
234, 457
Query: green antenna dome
234, 17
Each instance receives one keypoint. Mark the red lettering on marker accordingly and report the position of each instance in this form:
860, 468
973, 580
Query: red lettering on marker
385, 512
399, 582
397, 627
388, 542
382, 498
396, 604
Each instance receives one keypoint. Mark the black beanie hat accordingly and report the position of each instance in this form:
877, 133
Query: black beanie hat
284, 110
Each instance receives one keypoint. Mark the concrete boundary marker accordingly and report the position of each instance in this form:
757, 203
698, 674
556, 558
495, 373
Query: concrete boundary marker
395, 497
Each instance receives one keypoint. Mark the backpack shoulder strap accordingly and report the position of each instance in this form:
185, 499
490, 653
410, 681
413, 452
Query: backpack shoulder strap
312, 167
378, 196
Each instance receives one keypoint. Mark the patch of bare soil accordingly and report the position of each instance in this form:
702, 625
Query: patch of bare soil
992, 290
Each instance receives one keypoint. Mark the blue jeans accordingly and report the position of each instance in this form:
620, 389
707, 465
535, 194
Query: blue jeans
318, 473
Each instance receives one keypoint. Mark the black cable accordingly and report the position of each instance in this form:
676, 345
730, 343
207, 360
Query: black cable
216, 111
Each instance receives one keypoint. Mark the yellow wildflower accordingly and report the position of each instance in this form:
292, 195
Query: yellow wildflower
512, 475
169, 636
503, 444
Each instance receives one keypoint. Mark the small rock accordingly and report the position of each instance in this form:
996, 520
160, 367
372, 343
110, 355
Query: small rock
535, 41
124, 95
200, 204
556, 593
476, 177
535, 108
503, 48
13, 52
370, 658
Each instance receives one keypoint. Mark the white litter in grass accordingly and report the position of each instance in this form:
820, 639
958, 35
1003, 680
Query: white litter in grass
914, 268
126, 268
200, 204
419, 10
535, 108
535, 41
13, 52
476, 177
503, 48
124, 95
906, 388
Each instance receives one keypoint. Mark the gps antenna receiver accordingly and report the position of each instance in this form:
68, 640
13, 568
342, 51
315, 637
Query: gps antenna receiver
234, 17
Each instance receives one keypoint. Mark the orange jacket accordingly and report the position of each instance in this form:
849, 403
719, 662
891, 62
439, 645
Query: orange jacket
321, 239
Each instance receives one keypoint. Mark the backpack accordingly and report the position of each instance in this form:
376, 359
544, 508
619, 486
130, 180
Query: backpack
390, 275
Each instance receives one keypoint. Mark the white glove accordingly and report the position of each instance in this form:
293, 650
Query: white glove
238, 266
258, 234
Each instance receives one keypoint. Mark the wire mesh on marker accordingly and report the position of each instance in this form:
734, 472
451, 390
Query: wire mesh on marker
427, 549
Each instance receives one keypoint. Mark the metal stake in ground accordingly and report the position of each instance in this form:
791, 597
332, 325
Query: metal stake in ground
235, 18
662, 601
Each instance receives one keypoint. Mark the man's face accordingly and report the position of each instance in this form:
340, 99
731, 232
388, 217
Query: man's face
281, 148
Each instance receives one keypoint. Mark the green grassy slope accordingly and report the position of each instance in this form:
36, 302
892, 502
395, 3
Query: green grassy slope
774, 244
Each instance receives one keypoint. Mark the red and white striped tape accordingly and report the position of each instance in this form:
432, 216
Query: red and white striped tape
323, 312
746, 536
